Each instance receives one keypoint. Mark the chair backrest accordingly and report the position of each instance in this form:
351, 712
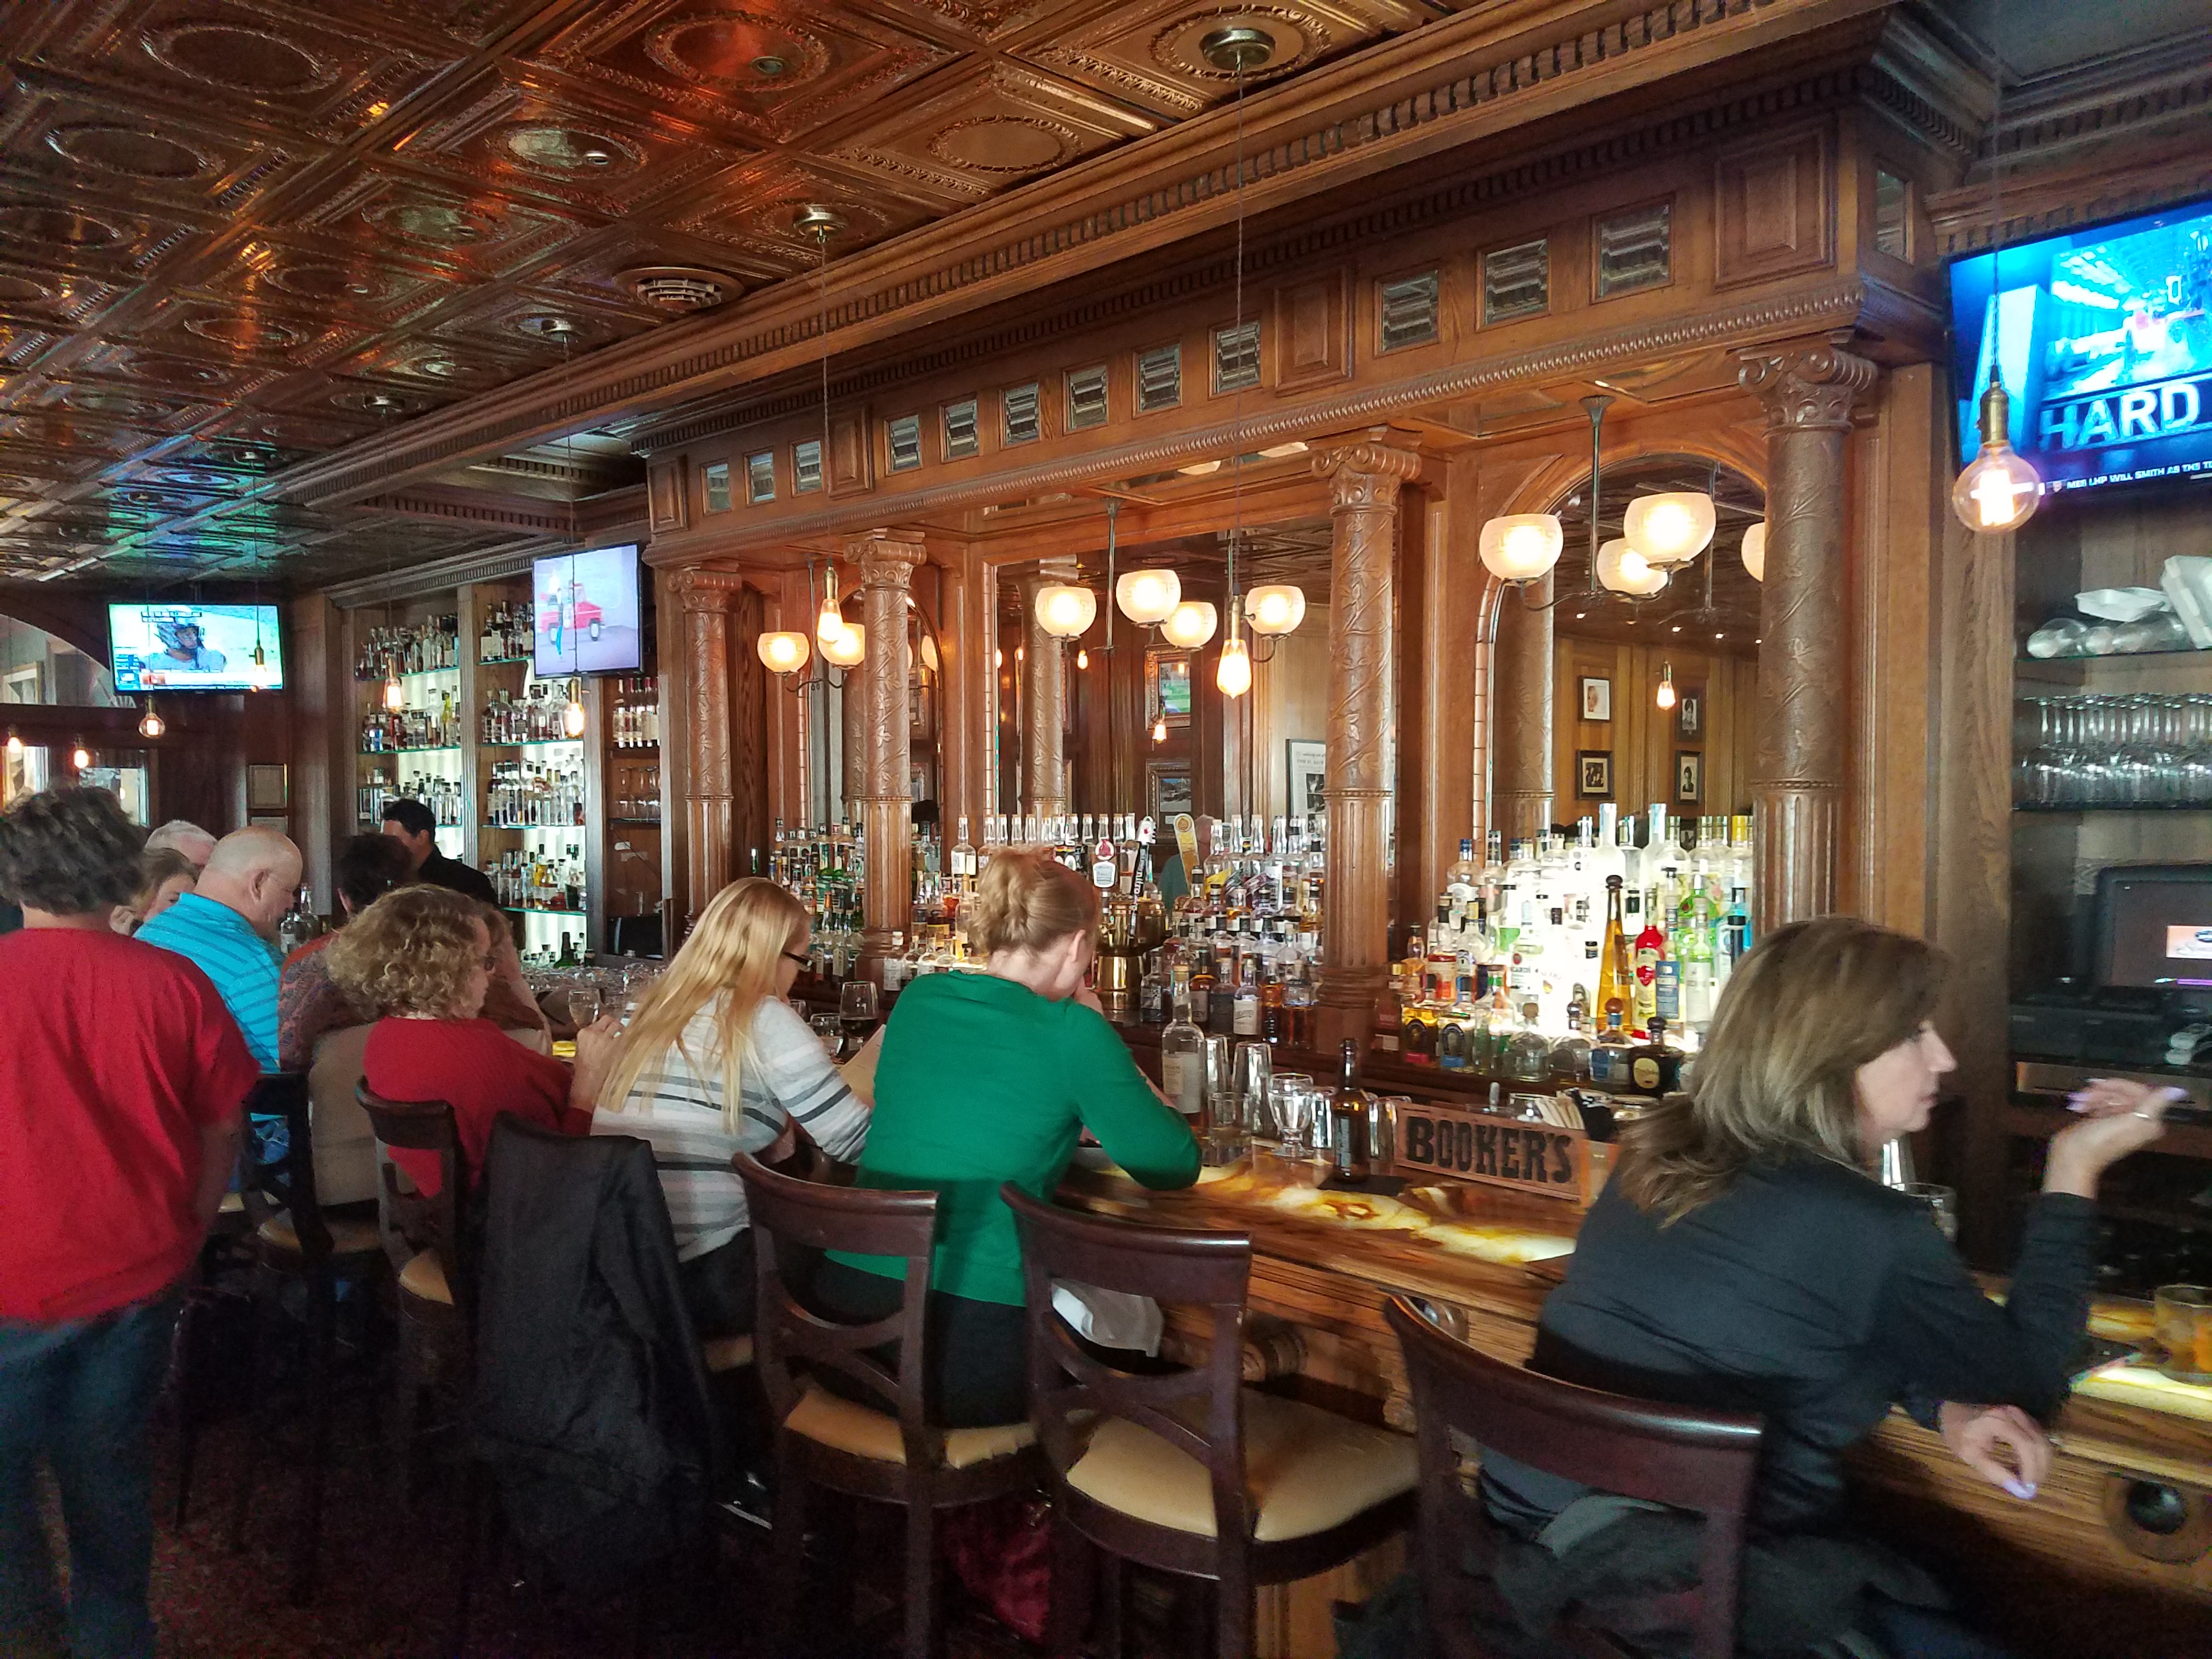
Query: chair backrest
784, 1212
1704, 1461
346, 1151
276, 1161
1212, 1270
427, 1221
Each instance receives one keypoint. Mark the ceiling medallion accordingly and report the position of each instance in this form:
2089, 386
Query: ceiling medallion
548, 325
736, 52
22, 290
679, 290
189, 478
59, 226
166, 371
1237, 50
549, 147
374, 403
818, 222
135, 154
1004, 143
443, 224
1209, 45
318, 282
241, 59
245, 333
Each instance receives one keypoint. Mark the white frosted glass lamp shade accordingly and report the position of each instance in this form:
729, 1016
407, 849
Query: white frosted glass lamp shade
1191, 624
848, 647
1521, 546
1668, 529
1277, 608
1147, 597
1754, 551
1064, 611
783, 653
1621, 569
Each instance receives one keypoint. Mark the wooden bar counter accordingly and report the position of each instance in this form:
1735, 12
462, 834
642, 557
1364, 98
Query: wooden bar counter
2068, 1574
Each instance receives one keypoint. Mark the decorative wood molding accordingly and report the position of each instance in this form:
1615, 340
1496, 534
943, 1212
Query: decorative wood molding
445, 573
476, 507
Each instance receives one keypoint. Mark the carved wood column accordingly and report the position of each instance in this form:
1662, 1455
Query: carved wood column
1044, 698
1798, 776
887, 561
1522, 685
1364, 480
706, 598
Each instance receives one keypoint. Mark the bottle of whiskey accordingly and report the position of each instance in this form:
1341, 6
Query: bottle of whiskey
1654, 1068
1615, 972
1182, 1061
1347, 1119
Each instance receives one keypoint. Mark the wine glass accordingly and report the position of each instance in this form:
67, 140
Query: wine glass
825, 1028
1293, 1103
583, 1003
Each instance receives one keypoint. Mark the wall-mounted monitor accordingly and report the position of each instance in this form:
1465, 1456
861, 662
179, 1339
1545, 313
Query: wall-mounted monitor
2152, 927
195, 648
587, 612
2103, 339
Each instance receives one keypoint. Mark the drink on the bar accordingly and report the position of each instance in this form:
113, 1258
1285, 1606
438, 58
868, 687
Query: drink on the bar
1347, 1119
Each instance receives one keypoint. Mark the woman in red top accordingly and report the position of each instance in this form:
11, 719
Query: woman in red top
422, 958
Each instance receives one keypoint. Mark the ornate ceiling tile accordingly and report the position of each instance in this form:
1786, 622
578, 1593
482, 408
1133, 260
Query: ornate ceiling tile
592, 271
550, 328
987, 20
297, 339
766, 70
288, 434
475, 233
753, 211
348, 283
136, 366
114, 149
118, 403
992, 127
56, 298
296, 67
367, 406
57, 429
101, 237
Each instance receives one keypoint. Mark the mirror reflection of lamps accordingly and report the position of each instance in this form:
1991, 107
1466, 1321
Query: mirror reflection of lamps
80, 757
572, 717
848, 647
151, 724
1666, 697
1190, 624
1754, 551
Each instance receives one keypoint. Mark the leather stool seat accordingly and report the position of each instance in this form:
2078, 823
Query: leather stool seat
848, 1426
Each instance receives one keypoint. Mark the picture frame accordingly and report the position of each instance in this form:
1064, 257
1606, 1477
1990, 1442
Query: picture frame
1305, 775
1593, 774
1167, 687
267, 788
1689, 777
921, 710
280, 821
1690, 717
1596, 698
1168, 789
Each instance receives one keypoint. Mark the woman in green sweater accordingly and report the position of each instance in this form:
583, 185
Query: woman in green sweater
988, 1077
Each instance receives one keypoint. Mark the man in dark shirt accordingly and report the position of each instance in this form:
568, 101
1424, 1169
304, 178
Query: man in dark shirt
411, 823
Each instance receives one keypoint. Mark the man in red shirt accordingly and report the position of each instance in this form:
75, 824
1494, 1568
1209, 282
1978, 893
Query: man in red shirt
120, 1085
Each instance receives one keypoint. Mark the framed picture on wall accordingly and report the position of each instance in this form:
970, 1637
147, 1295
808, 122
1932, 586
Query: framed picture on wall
1689, 777
1306, 774
1167, 687
1597, 698
1690, 717
267, 788
1594, 772
921, 710
1167, 789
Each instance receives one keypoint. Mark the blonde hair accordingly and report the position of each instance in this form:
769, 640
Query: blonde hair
730, 961
410, 952
1025, 901
1777, 1076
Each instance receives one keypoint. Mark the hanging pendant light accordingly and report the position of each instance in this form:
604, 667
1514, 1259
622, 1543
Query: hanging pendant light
1191, 624
395, 695
832, 621
15, 745
1521, 547
1277, 608
1064, 612
848, 647
1998, 490
1148, 597
1233, 673
784, 653
1622, 569
80, 757
1754, 551
1669, 528
572, 717
1082, 658
151, 724
1666, 697
1160, 728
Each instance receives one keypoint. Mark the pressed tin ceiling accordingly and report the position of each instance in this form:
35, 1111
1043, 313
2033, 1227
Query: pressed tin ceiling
237, 233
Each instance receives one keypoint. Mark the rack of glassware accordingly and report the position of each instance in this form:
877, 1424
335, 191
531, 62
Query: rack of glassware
2133, 751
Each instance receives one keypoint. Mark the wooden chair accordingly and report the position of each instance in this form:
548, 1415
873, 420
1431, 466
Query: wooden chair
1190, 1472
1697, 1460
894, 1455
292, 1242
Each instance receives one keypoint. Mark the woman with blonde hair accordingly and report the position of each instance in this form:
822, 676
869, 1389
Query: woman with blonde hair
988, 1077
714, 1062
1744, 1258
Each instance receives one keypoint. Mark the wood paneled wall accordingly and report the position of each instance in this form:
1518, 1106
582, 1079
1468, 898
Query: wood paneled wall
1645, 741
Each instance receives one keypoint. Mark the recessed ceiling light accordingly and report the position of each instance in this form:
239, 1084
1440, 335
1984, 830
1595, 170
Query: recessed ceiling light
768, 66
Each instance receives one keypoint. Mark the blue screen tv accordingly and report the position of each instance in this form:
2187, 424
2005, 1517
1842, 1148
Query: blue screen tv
2103, 339
587, 612
194, 647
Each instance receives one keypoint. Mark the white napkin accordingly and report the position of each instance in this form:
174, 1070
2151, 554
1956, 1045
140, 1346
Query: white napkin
1112, 1319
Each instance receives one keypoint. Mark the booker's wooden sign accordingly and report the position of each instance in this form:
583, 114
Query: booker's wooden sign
1540, 1158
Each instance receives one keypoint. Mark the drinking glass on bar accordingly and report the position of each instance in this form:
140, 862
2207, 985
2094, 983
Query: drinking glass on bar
1943, 1203
1294, 1114
1253, 1069
1279, 1088
2184, 1316
828, 1029
856, 1012
583, 1004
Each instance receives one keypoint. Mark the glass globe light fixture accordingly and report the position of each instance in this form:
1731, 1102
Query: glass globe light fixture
1147, 597
848, 647
1998, 490
1621, 569
1277, 608
1521, 547
1671, 528
1066, 611
1754, 551
151, 724
1191, 624
784, 653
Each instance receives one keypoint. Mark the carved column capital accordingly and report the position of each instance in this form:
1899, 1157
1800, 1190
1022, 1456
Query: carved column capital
886, 558
1805, 388
698, 590
1365, 475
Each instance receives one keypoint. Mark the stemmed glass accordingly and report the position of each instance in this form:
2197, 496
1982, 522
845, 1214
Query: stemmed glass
825, 1027
583, 1004
856, 1012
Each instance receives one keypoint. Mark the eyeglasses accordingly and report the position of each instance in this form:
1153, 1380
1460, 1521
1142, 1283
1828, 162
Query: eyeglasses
794, 955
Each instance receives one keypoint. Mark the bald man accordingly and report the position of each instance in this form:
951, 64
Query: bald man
227, 925
186, 837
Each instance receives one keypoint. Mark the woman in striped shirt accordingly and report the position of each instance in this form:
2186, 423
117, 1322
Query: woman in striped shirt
714, 1062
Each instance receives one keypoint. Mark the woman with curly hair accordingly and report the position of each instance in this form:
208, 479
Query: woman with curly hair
421, 959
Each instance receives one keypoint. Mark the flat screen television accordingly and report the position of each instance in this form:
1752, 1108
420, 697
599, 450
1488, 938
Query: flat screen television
2103, 339
586, 606
2153, 927
195, 648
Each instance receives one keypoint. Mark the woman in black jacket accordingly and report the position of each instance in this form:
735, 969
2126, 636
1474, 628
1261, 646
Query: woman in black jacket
1743, 1258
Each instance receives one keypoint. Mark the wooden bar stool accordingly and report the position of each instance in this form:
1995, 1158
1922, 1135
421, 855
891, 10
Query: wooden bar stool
894, 1455
292, 1240
1702, 1462
1190, 1472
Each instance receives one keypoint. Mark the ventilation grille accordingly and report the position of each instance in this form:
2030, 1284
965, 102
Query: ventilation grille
1086, 398
1516, 282
806, 466
1159, 379
716, 480
1020, 403
679, 290
1408, 308
1634, 250
1236, 357
960, 432
905, 437
760, 477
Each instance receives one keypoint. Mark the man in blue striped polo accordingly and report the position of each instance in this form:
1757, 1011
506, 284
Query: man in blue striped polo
226, 926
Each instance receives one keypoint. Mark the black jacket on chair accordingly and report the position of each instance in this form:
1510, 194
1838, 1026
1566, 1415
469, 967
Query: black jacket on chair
590, 1406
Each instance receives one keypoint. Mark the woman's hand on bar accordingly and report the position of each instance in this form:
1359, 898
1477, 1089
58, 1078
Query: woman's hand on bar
2117, 1117
1977, 1433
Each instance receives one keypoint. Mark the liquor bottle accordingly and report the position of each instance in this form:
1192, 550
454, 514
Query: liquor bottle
1616, 974
1654, 1068
1347, 1119
1245, 1014
1651, 946
1608, 1055
299, 923
1182, 1061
